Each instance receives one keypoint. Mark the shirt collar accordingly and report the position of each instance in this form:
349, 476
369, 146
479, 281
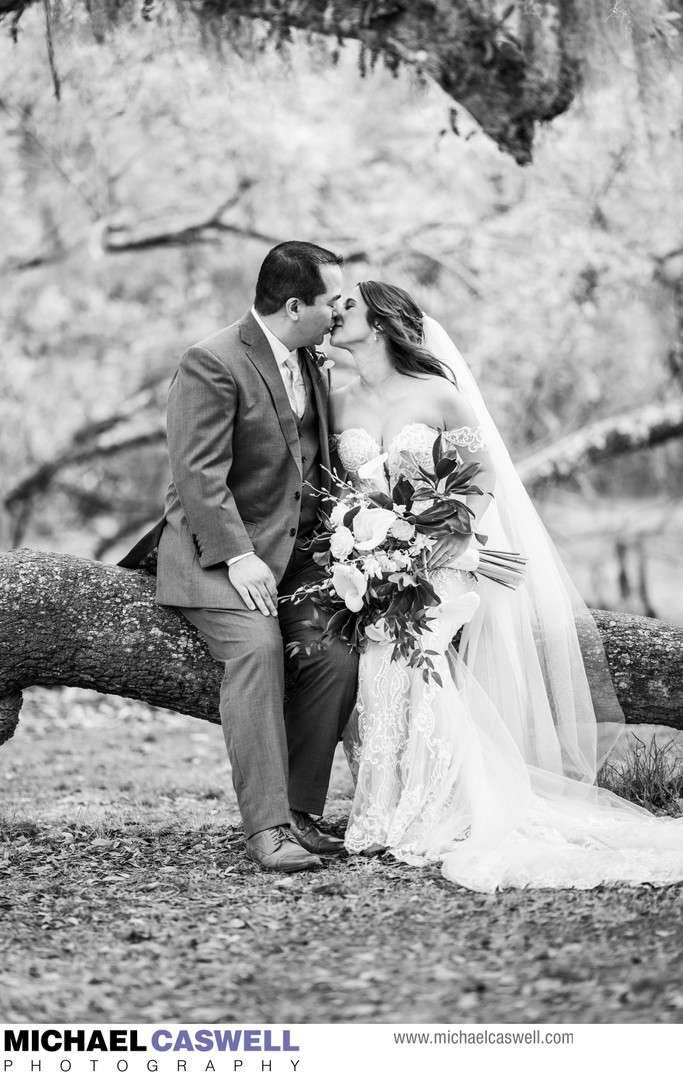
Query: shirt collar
280, 350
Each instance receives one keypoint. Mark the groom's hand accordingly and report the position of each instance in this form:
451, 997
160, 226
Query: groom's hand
255, 584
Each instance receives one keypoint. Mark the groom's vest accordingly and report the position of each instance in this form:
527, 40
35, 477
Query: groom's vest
309, 438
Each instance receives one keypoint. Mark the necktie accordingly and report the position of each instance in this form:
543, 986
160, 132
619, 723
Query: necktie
296, 390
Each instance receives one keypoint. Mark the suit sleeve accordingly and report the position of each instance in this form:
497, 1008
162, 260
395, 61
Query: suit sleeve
202, 404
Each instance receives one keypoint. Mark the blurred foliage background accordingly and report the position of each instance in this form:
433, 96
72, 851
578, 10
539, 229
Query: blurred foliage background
135, 212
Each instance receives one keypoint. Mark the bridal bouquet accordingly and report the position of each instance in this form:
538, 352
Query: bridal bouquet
374, 545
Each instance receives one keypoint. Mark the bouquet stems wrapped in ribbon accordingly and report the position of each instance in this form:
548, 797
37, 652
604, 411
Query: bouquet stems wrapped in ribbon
374, 544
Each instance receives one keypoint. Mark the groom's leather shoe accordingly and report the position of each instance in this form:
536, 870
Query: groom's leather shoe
311, 838
276, 850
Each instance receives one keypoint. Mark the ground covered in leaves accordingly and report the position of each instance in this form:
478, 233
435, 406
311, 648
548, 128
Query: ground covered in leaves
125, 896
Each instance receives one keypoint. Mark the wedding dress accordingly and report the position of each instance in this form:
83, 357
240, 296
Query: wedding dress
493, 773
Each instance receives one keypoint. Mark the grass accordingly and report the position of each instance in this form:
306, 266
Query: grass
650, 775
125, 896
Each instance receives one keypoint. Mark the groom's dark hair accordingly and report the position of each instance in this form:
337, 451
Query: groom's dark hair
292, 271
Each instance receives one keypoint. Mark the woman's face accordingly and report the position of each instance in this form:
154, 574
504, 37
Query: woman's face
351, 325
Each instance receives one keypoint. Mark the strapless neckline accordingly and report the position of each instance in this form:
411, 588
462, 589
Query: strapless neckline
370, 437
357, 447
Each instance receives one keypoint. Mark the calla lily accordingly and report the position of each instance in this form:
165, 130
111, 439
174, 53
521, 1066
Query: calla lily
371, 526
350, 585
373, 471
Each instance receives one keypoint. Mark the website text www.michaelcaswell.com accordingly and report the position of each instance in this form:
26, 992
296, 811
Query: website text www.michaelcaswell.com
461, 1037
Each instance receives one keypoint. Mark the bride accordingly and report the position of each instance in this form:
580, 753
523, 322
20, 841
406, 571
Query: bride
493, 773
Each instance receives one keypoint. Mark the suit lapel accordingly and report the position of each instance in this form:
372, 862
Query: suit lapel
320, 391
260, 354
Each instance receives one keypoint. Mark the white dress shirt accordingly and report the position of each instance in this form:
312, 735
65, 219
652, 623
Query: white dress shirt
282, 353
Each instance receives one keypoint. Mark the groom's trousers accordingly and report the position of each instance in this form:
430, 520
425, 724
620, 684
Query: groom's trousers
281, 755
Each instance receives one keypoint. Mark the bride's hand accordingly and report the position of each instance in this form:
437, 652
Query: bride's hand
448, 548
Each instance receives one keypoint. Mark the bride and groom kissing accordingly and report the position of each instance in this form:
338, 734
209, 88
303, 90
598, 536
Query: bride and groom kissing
474, 771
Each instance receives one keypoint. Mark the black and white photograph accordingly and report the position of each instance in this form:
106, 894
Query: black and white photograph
341, 516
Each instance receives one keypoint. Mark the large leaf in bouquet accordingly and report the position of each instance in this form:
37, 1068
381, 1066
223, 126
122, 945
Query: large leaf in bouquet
413, 602
381, 589
351, 515
403, 492
453, 516
446, 466
339, 622
424, 597
400, 604
437, 450
435, 514
382, 500
460, 480
461, 520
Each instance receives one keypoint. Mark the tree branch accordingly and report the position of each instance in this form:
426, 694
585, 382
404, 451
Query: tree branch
114, 239
69, 621
509, 72
644, 428
117, 240
137, 422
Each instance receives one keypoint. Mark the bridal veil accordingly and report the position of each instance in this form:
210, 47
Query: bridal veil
536, 651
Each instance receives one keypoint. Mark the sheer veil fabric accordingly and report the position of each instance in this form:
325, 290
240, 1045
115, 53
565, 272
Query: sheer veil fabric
536, 649
494, 775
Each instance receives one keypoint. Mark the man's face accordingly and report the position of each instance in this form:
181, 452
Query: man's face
315, 321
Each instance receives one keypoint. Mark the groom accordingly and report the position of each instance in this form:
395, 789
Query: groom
247, 438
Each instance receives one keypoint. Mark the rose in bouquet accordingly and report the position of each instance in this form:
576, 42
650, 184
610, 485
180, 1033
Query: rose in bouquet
374, 544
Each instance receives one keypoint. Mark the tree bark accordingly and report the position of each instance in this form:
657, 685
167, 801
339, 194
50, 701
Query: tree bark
66, 621
69, 621
510, 65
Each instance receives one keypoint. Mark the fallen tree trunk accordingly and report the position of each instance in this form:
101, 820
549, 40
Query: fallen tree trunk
73, 622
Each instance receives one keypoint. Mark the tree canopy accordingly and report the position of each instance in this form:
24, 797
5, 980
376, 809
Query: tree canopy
512, 65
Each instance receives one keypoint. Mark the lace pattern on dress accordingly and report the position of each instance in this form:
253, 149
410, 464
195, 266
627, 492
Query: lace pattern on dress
470, 437
355, 446
400, 743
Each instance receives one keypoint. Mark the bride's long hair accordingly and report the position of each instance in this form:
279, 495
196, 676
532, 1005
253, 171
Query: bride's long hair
395, 313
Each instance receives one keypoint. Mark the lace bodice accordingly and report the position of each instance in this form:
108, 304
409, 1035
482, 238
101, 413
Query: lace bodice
355, 446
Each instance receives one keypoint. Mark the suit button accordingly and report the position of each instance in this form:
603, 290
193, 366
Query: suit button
303, 459
293, 532
297, 496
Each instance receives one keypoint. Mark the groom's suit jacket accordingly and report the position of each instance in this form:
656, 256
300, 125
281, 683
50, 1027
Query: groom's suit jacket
236, 464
